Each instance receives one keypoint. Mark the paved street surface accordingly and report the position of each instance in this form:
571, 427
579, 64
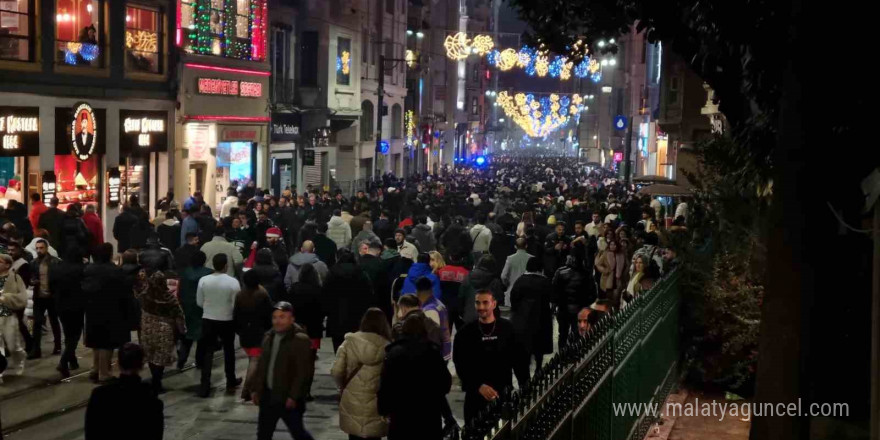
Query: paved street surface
50, 409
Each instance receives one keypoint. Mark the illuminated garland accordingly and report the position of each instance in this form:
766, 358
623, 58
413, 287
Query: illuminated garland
73, 52
535, 63
539, 117
412, 140
252, 47
141, 41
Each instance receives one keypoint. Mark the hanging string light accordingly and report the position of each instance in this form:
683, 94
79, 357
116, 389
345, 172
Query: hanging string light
539, 117
535, 62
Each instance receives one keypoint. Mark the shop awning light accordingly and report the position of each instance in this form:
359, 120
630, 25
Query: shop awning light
228, 69
220, 118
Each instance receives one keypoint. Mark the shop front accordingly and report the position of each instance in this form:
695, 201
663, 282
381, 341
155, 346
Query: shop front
68, 148
20, 136
224, 132
143, 152
284, 135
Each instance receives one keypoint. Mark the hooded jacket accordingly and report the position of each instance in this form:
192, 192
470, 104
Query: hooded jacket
356, 371
339, 231
297, 261
417, 271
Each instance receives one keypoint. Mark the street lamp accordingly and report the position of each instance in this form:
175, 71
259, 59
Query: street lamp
409, 32
612, 62
501, 120
420, 34
601, 43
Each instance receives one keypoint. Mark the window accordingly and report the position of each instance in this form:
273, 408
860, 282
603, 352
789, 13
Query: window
343, 61
143, 39
475, 108
282, 66
16, 35
396, 121
389, 6
475, 74
672, 94
229, 28
309, 53
367, 118
78, 32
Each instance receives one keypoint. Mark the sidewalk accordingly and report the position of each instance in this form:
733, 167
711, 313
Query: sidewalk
698, 427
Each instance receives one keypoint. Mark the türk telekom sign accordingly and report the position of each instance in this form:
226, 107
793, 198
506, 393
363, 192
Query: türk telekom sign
229, 87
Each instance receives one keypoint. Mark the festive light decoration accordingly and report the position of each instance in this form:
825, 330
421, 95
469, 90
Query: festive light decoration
227, 69
482, 44
410, 58
227, 39
506, 60
457, 46
74, 53
540, 117
410, 123
343, 63
141, 41
535, 62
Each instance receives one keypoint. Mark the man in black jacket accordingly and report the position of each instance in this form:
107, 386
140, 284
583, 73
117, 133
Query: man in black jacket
571, 293
154, 257
532, 313
125, 407
51, 221
183, 255
486, 354
125, 221
44, 302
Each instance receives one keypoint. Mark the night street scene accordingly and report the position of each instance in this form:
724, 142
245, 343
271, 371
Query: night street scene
438, 220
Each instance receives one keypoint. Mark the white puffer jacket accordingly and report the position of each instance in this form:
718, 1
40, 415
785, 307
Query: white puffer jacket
358, 410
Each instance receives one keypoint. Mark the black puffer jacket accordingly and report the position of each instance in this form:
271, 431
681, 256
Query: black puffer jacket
570, 289
269, 275
153, 258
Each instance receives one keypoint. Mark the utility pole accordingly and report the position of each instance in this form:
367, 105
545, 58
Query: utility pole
380, 91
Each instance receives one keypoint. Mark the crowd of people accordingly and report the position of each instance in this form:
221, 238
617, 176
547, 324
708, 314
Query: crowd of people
469, 266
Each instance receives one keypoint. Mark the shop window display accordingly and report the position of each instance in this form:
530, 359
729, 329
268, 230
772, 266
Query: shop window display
133, 179
143, 39
76, 181
235, 166
78, 32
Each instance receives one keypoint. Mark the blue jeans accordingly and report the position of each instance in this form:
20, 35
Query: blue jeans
270, 412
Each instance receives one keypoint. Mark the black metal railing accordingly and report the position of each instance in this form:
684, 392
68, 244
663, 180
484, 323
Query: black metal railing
629, 357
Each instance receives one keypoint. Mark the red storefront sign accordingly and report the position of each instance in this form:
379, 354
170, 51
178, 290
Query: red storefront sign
230, 87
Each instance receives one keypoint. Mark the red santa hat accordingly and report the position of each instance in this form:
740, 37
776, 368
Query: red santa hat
12, 183
273, 233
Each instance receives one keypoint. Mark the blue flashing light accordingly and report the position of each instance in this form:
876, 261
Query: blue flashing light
480, 161
384, 147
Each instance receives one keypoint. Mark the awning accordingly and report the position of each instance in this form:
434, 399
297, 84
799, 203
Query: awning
661, 189
654, 179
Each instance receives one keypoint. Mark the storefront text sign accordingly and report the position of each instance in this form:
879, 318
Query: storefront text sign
83, 131
286, 127
113, 182
229, 87
236, 134
19, 131
143, 131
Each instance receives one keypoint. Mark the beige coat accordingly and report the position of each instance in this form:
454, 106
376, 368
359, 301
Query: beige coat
14, 294
358, 410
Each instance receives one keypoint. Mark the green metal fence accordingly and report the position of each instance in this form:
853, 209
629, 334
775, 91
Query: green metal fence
630, 357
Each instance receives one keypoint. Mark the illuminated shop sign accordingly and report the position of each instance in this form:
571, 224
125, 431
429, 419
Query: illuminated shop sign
19, 131
143, 131
230, 87
114, 181
286, 127
49, 186
83, 131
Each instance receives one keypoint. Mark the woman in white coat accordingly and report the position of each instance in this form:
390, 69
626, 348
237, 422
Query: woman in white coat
356, 371
13, 299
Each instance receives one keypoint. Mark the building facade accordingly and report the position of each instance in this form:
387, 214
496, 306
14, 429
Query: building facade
87, 102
